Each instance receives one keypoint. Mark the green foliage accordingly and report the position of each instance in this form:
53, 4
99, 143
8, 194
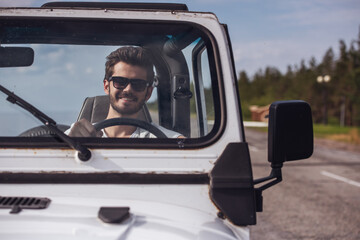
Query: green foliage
320, 129
246, 112
341, 94
209, 104
345, 134
152, 105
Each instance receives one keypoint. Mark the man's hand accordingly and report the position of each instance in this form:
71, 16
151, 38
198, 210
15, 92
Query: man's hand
84, 128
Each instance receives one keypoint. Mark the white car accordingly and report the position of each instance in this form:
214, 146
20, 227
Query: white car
53, 186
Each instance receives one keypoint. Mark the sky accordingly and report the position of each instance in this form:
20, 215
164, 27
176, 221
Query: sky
275, 33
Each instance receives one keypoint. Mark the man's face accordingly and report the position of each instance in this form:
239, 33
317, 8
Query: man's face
127, 101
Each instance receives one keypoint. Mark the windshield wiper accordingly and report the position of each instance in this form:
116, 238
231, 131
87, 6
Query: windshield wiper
84, 154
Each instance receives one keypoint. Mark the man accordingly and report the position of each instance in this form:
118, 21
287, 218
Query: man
128, 81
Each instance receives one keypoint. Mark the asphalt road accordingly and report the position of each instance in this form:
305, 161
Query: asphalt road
319, 198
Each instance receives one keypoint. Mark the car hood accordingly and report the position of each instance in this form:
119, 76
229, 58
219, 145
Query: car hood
77, 218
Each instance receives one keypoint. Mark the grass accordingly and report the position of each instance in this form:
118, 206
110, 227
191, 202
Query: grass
334, 132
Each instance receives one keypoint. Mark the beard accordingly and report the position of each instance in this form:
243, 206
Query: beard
126, 109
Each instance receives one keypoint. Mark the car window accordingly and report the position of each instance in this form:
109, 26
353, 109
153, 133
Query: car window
69, 66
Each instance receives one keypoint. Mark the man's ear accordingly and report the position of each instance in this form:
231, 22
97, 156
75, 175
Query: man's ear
149, 92
106, 86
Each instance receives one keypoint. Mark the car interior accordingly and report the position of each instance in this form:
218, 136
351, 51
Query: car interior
184, 62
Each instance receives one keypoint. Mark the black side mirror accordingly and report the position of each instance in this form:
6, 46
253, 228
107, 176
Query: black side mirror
16, 56
290, 135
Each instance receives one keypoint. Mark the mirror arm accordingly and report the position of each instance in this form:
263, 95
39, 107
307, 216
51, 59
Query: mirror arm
276, 176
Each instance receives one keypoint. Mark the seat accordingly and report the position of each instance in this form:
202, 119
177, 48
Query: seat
95, 109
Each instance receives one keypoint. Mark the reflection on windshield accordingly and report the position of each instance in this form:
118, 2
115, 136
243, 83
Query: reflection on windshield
59, 80
64, 75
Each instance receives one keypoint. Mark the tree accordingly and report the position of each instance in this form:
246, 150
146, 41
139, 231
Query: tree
299, 82
244, 86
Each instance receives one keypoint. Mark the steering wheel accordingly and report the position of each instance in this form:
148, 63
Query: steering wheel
130, 121
43, 131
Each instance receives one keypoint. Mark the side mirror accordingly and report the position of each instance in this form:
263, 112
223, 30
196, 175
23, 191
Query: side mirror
16, 56
290, 135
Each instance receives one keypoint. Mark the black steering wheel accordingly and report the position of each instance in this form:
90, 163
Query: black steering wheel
130, 121
43, 131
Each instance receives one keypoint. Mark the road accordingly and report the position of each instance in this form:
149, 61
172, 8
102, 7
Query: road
319, 198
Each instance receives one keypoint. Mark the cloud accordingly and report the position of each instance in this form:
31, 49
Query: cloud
55, 56
318, 12
70, 68
89, 70
18, 3
27, 69
216, 2
290, 31
252, 56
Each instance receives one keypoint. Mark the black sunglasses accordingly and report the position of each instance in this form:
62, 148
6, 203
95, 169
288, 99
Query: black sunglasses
138, 85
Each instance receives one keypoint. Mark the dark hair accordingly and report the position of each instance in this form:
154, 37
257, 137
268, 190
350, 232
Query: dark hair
136, 56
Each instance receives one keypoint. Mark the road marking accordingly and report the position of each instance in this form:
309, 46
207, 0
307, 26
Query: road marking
254, 149
351, 182
255, 124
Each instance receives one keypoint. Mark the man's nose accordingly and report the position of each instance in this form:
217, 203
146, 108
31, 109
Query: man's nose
127, 88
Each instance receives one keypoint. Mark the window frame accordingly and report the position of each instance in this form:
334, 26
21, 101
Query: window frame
111, 143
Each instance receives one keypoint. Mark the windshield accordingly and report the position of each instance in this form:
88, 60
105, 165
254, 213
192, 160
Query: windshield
68, 80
